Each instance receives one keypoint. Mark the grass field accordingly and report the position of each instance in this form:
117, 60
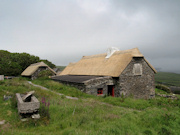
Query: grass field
90, 115
168, 78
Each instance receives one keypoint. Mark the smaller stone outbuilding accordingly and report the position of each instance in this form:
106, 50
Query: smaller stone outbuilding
1, 77
34, 69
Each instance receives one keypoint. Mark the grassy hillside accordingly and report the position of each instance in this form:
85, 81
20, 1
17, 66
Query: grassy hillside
90, 114
168, 78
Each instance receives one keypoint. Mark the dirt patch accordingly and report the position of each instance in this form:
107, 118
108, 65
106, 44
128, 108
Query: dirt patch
5, 127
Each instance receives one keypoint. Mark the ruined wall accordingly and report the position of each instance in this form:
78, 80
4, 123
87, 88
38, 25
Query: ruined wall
139, 86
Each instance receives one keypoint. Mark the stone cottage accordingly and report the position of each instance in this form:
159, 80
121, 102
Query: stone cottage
34, 69
125, 73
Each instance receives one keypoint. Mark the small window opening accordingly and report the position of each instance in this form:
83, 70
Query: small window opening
137, 69
100, 91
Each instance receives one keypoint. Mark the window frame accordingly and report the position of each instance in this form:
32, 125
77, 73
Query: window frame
99, 91
137, 69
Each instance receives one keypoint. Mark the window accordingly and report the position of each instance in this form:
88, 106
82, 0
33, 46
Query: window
137, 69
100, 91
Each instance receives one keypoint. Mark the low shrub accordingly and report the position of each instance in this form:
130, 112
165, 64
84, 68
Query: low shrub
45, 73
122, 98
44, 111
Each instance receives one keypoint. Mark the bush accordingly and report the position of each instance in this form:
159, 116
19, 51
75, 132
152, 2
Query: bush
163, 87
122, 98
45, 73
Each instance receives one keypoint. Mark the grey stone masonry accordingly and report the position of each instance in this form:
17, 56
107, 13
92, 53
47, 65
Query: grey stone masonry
92, 85
35, 75
27, 107
1, 77
138, 86
27, 97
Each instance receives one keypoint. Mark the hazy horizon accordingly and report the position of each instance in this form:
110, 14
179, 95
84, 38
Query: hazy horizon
64, 31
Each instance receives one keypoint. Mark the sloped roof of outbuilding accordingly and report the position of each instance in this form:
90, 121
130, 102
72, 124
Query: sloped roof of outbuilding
98, 65
33, 67
75, 78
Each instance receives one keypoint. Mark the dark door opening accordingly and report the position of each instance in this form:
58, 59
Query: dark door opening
111, 90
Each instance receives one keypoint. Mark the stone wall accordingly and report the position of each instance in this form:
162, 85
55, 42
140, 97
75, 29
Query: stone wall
35, 75
175, 89
139, 86
91, 86
1, 77
102, 82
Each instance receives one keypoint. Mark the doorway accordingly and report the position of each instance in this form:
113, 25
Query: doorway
111, 90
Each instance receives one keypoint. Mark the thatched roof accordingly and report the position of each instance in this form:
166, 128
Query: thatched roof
33, 67
98, 65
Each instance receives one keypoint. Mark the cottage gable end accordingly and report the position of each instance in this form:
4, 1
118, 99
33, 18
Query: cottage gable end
137, 79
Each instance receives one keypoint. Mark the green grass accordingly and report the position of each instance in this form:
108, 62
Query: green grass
168, 78
89, 115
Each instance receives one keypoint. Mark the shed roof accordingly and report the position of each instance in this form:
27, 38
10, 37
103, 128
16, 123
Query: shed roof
74, 78
98, 65
33, 67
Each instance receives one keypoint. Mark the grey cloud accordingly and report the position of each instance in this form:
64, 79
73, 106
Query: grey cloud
64, 31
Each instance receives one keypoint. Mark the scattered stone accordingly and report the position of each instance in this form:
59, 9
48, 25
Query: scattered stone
25, 119
2, 122
27, 97
35, 116
168, 96
7, 97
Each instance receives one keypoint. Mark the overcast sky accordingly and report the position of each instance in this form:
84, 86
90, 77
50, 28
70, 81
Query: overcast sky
63, 31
